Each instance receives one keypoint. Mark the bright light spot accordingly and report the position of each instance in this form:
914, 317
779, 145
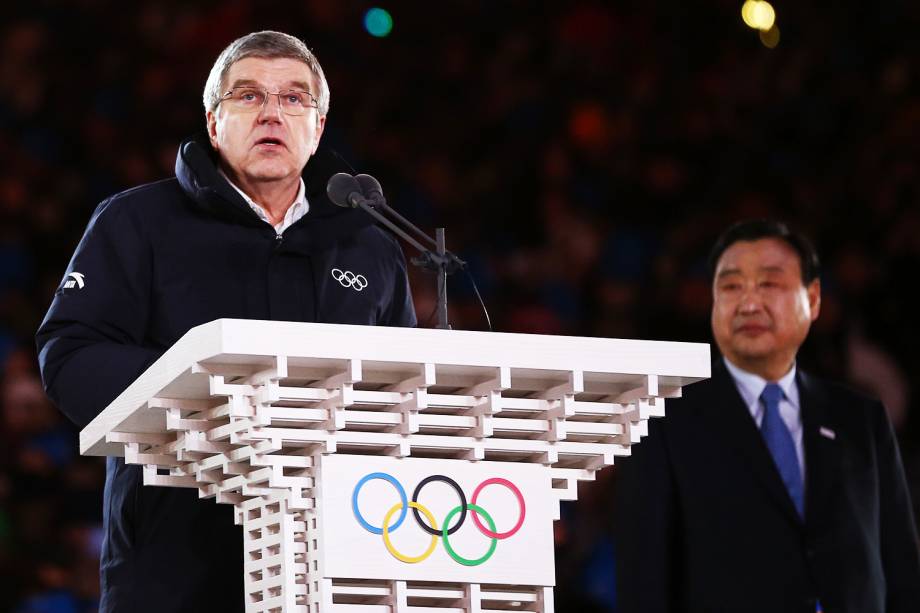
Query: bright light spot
763, 16
770, 38
758, 14
746, 9
378, 22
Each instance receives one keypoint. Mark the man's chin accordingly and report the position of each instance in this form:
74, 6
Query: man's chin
753, 352
270, 172
752, 346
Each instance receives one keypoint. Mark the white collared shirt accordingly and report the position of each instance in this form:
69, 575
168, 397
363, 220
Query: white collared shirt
751, 386
298, 208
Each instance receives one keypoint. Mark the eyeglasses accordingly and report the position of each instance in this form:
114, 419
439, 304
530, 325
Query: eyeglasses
252, 100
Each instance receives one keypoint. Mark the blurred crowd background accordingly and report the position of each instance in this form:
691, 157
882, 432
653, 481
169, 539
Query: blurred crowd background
583, 156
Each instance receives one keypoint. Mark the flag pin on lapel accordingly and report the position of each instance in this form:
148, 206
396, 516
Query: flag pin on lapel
827, 433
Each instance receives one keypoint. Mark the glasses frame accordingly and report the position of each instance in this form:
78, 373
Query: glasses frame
229, 93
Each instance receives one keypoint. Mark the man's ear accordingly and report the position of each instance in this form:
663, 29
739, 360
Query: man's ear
814, 298
211, 119
320, 126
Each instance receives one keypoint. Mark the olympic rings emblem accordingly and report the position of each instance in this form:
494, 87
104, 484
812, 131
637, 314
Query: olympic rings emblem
349, 279
431, 526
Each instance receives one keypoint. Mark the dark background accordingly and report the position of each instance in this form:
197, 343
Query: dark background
582, 155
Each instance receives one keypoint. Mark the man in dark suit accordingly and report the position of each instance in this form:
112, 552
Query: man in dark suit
766, 489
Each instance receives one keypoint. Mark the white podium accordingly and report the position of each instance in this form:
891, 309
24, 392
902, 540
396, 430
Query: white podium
391, 469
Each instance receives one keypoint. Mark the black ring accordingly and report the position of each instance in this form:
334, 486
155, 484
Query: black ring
453, 484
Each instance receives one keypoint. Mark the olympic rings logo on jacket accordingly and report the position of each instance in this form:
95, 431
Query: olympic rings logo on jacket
431, 527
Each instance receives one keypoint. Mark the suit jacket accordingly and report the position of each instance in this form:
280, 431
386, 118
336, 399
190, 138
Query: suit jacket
704, 522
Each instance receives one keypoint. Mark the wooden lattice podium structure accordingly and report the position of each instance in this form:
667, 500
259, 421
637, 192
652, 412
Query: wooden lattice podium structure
318, 433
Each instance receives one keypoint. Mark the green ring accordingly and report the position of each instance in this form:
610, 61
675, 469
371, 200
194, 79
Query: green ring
450, 550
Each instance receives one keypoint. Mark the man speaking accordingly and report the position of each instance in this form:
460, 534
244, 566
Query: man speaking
766, 489
244, 230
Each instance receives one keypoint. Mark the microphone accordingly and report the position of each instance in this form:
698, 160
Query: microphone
364, 191
371, 189
345, 191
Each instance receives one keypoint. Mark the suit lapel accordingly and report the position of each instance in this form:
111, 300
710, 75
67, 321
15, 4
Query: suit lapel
821, 451
730, 417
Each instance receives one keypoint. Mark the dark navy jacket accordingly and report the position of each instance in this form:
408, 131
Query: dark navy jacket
154, 262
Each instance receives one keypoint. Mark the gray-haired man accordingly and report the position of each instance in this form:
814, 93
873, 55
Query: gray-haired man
244, 230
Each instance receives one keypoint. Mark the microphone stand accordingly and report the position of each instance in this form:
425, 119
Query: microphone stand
440, 261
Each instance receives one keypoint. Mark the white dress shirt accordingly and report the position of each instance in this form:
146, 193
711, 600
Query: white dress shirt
298, 208
750, 386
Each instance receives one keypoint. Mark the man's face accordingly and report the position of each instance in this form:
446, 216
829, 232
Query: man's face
761, 310
267, 145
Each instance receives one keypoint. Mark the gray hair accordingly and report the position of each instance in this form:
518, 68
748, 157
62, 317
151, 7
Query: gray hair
269, 45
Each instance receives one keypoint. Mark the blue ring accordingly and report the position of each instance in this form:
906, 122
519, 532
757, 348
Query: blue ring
402, 497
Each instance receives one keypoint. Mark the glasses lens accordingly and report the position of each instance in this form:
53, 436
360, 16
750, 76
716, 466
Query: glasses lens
294, 102
247, 97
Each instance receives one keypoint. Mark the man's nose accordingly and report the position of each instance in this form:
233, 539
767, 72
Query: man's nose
751, 300
271, 108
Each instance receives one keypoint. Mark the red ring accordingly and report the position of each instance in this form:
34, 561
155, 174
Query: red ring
520, 498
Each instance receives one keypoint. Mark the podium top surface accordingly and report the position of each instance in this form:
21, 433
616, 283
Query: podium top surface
308, 348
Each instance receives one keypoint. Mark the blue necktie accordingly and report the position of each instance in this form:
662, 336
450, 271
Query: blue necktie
782, 447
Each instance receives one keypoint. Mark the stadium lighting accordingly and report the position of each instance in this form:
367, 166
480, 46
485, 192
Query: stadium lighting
758, 14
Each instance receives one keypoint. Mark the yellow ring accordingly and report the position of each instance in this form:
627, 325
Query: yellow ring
386, 533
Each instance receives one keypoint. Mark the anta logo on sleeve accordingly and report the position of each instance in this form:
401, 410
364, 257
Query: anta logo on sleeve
74, 279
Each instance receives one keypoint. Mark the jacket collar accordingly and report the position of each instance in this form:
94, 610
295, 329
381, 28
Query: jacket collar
210, 192
729, 415
822, 449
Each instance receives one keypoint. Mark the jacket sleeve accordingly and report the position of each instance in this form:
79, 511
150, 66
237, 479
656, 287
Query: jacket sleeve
644, 527
91, 342
897, 530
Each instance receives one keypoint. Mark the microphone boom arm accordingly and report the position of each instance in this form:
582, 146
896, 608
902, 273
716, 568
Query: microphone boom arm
440, 261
